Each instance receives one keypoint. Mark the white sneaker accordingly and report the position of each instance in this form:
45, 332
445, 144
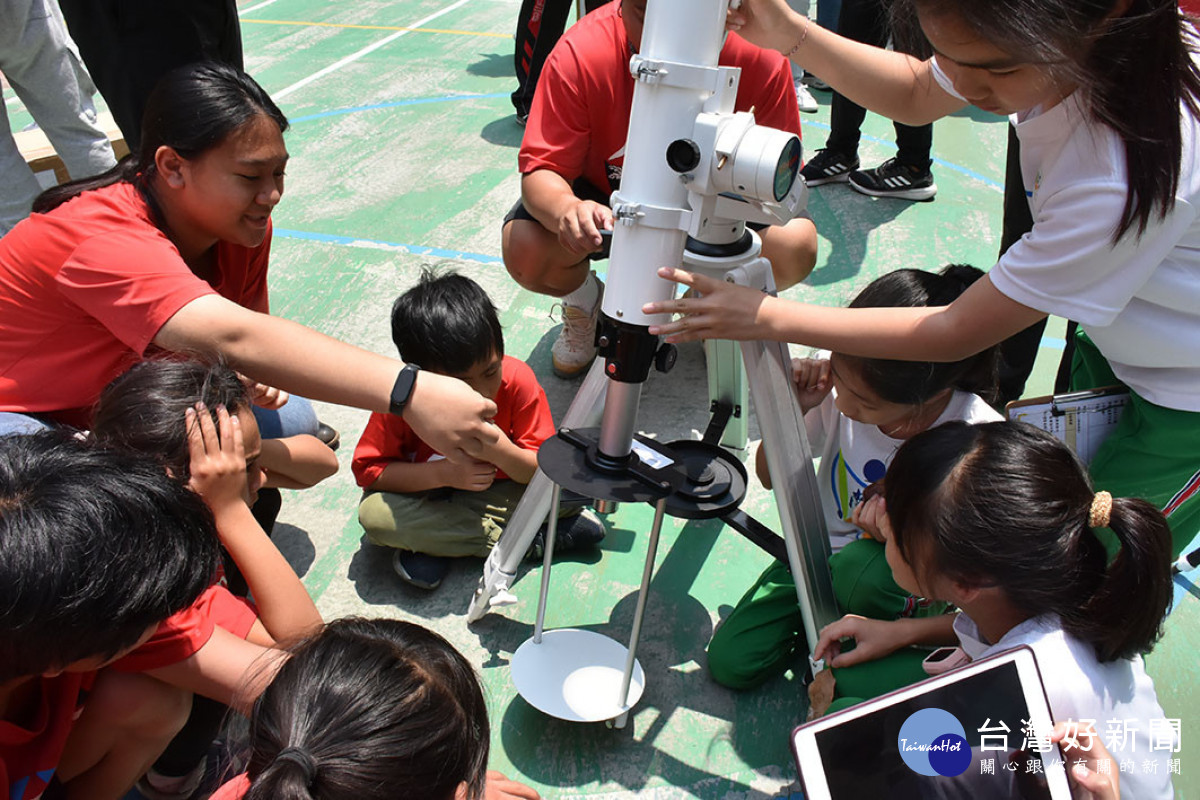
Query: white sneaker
804, 99
575, 348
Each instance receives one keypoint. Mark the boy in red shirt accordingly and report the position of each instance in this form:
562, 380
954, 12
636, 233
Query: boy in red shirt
431, 509
96, 548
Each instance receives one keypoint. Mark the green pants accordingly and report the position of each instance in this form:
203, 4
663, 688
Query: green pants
764, 634
445, 522
1153, 453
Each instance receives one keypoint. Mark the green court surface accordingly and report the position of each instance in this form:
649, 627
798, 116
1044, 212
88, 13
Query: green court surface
403, 146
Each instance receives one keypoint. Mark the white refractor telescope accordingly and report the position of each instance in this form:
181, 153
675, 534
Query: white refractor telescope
695, 173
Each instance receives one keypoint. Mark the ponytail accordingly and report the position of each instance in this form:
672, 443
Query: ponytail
370, 710
1006, 504
1116, 626
126, 171
291, 775
192, 109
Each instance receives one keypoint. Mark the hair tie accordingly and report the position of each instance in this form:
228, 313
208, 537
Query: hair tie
302, 759
1100, 511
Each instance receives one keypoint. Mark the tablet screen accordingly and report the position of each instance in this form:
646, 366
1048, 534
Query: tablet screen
862, 758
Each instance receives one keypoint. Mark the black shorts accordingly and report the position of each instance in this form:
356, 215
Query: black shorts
583, 189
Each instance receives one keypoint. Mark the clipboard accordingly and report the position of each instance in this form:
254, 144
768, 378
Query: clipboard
1082, 420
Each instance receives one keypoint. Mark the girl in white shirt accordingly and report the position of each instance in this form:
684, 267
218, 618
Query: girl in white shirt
999, 519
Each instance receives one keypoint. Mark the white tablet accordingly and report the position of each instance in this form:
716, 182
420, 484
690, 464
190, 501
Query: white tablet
977, 732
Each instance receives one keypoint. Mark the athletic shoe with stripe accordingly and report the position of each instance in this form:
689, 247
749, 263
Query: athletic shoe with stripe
828, 166
893, 179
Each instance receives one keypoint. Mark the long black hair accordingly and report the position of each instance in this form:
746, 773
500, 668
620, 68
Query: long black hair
1135, 72
915, 382
370, 710
143, 409
192, 109
1006, 504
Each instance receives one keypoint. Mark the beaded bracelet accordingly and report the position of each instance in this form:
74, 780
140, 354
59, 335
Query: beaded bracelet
803, 36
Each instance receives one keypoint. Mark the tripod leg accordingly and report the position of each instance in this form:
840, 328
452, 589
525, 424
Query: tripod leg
789, 458
500, 568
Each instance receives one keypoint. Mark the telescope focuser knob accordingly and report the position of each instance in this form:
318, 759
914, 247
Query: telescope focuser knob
683, 155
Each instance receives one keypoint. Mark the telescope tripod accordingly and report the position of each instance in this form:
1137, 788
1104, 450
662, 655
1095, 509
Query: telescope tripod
585, 676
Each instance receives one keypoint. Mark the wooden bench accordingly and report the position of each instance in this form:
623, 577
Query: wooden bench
40, 156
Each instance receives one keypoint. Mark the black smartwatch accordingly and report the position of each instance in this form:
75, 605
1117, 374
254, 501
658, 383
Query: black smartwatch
402, 391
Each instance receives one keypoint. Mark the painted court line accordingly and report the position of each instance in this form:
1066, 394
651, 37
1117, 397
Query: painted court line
420, 101
396, 247
410, 29
350, 59
255, 7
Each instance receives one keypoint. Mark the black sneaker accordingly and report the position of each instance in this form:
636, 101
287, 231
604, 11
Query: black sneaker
828, 166
580, 532
420, 570
893, 179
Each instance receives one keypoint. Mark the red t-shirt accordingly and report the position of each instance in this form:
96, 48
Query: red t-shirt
181, 635
85, 288
522, 412
580, 113
29, 756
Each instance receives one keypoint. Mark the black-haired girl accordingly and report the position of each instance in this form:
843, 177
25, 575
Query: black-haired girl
857, 412
1000, 520
371, 710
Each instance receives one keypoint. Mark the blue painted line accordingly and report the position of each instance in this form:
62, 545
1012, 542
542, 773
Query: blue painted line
495, 95
376, 244
970, 173
1187, 586
419, 101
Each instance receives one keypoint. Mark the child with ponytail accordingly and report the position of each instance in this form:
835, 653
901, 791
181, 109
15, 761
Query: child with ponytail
1000, 520
371, 710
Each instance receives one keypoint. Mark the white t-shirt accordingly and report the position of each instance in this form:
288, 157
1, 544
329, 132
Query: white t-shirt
854, 455
1139, 300
1117, 696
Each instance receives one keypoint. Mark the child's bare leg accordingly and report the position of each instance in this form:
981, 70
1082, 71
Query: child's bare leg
126, 724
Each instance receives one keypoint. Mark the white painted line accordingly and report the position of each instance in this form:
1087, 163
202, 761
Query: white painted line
300, 84
244, 11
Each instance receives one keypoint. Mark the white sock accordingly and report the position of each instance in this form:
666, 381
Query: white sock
586, 295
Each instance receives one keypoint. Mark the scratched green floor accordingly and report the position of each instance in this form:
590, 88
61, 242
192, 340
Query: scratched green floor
405, 156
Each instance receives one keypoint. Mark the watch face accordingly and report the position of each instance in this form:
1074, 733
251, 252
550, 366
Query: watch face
403, 388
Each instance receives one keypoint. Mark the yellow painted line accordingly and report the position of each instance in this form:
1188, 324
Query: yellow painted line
376, 27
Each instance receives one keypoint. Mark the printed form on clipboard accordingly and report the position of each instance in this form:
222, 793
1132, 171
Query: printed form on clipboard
1083, 420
